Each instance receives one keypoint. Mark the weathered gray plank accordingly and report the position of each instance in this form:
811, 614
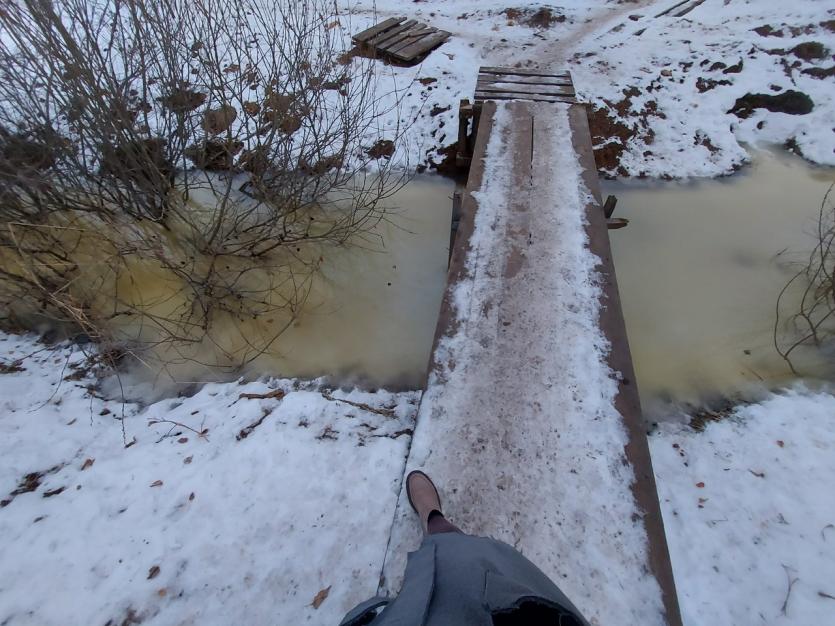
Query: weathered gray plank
377, 28
543, 90
391, 33
486, 95
424, 45
409, 39
524, 80
523, 72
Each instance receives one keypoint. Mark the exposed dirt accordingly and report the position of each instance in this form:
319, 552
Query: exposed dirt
810, 50
819, 72
792, 146
733, 69
766, 30
706, 84
609, 137
703, 140
702, 418
447, 165
383, 148
543, 17
11, 368
611, 133
791, 102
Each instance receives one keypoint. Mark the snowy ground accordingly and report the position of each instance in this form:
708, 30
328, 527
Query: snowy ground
661, 86
245, 531
247, 523
749, 512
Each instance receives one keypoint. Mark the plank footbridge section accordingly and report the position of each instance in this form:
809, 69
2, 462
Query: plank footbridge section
531, 422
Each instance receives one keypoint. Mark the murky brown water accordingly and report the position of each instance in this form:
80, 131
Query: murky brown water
372, 313
700, 267
369, 317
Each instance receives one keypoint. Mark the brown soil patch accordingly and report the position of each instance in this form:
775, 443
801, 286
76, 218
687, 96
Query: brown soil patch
791, 102
383, 148
543, 17
810, 50
447, 166
768, 31
819, 72
609, 137
706, 84
612, 133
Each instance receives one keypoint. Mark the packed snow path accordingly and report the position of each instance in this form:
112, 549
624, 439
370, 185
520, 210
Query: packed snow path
524, 423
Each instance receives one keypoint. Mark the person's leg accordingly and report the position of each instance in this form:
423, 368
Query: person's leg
424, 498
439, 524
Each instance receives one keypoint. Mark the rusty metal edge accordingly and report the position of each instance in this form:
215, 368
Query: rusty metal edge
628, 401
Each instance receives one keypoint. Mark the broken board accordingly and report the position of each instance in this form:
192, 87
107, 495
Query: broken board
401, 39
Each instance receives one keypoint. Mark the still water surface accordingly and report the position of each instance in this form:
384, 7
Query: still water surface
700, 267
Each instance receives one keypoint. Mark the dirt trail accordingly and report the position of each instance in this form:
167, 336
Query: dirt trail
600, 22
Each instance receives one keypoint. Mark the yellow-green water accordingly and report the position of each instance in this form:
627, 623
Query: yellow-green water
700, 267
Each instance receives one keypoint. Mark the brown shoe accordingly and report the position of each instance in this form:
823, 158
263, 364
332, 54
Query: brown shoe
423, 496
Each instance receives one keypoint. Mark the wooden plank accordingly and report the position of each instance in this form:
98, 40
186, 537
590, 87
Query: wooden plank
473, 404
391, 33
378, 28
410, 39
424, 45
482, 95
627, 401
542, 90
523, 80
523, 72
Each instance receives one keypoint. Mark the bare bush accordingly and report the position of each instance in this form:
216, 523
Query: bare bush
210, 148
812, 317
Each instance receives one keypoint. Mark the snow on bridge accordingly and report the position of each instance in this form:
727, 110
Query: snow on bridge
531, 423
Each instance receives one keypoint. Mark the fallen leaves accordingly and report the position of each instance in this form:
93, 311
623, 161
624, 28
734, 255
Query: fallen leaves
156, 483
700, 485
153, 572
88, 463
320, 597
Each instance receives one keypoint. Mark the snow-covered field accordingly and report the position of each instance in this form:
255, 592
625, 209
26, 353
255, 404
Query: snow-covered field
662, 85
183, 528
243, 512
750, 514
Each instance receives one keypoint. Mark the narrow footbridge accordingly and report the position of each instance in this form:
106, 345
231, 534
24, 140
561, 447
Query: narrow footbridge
531, 421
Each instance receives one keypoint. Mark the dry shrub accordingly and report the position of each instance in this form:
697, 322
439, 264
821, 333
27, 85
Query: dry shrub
204, 152
811, 320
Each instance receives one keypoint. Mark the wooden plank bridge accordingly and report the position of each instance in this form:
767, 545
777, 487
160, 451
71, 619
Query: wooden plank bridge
530, 436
